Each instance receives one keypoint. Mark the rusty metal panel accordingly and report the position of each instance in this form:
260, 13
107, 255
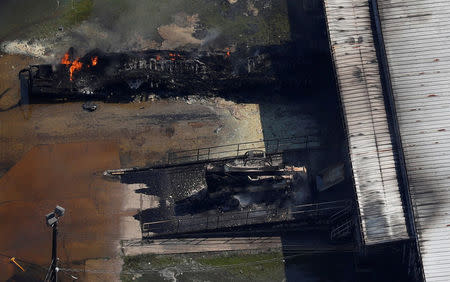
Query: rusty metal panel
417, 39
380, 206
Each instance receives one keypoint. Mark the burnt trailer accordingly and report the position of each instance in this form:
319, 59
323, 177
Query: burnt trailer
124, 77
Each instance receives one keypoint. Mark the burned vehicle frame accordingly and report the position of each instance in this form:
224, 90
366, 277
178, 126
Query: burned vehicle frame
130, 76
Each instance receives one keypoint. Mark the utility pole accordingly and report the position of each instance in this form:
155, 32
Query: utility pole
54, 255
52, 221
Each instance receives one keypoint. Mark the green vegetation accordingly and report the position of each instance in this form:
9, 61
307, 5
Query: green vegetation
249, 266
235, 23
140, 262
81, 11
40, 19
236, 266
66, 16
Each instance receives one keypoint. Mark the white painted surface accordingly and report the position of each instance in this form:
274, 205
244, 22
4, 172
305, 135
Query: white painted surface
417, 41
380, 206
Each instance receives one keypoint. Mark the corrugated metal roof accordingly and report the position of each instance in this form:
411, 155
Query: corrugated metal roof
417, 39
375, 178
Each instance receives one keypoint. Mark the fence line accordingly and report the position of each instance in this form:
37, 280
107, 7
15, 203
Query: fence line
270, 146
240, 218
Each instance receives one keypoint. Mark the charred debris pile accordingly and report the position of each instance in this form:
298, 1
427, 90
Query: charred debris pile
255, 181
256, 189
130, 76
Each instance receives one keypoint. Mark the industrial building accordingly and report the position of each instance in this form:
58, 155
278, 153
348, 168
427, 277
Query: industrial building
366, 84
390, 67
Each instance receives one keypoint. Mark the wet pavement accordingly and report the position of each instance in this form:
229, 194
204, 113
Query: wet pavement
54, 153
68, 175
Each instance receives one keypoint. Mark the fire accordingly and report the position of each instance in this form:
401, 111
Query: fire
173, 56
76, 65
158, 57
65, 60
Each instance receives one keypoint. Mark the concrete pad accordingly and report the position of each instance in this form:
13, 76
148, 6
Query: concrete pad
200, 245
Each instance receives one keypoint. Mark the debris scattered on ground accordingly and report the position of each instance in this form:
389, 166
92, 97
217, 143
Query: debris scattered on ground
218, 129
22, 47
89, 107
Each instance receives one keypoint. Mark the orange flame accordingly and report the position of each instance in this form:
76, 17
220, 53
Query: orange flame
228, 52
173, 56
65, 60
158, 57
76, 65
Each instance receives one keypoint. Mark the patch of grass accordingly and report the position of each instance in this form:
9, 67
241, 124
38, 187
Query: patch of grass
140, 262
235, 259
234, 21
269, 266
240, 266
65, 16
270, 27
81, 11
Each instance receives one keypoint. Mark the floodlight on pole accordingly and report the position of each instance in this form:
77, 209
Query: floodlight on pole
52, 221
59, 211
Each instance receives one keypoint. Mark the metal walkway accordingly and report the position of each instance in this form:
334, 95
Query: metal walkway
270, 146
230, 151
318, 212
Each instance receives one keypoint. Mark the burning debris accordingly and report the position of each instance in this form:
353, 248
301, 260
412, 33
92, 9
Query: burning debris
76, 65
125, 77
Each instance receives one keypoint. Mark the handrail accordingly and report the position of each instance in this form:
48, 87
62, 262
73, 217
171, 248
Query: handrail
270, 146
240, 218
231, 151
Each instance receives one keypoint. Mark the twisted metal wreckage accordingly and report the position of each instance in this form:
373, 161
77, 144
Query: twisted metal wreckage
125, 77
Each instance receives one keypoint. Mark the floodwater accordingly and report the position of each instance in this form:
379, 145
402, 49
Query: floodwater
99, 212
68, 175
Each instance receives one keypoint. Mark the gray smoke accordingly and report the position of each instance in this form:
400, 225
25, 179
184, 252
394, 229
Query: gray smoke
126, 25
137, 25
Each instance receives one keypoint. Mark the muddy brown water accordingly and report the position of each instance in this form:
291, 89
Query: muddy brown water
66, 175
